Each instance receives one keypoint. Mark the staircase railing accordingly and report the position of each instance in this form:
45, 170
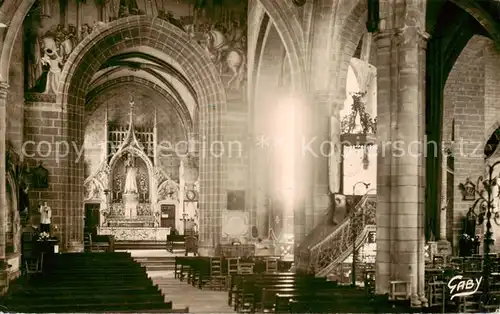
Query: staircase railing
337, 246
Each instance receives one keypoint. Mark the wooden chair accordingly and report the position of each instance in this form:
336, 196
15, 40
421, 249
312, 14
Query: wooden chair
399, 294
271, 265
217, 279
94, 246
437, 294
232, 269
245, 268
469, 304
33, 266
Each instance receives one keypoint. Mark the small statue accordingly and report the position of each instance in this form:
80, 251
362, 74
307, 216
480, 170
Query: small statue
131, 175
45, 218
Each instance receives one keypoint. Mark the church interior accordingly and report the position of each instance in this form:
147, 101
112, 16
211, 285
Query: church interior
232, 156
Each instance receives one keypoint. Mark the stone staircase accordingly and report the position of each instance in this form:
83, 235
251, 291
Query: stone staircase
140, 245
325, 255
156, 263
87, 283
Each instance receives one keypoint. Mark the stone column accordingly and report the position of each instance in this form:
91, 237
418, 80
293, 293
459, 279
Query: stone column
400, 177
260, 174
4, 281
49, 141
319, 157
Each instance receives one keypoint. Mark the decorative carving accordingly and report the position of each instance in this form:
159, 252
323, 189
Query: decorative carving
168, 190
103, 174
325, 256
92, 190
144, 210
134, 234
468, 190
159, 176
36, 97
117, 187
235, 224
191, 195
348, 123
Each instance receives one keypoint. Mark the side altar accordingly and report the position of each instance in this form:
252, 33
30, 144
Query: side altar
136, 199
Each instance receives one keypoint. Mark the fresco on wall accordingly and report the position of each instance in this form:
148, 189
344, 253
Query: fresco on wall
52, 29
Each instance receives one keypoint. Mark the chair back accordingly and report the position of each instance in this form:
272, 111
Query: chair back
232, 265
34, 265
271, 265
245, 268
216, 266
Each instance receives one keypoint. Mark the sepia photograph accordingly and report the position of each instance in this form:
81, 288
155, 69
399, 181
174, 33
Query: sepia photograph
250, 156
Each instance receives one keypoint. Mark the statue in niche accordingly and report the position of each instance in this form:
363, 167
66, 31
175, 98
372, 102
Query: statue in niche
127, 8
131, 176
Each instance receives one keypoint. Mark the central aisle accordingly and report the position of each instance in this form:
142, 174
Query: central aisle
198, 301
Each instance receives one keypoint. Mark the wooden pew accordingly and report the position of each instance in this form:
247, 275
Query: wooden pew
247, 290
196, 267
265, 301
237, 281
283, 300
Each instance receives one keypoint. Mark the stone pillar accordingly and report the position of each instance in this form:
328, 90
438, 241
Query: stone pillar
319, 157
48, 141
4, 280
400, 177
303, 167
260, 171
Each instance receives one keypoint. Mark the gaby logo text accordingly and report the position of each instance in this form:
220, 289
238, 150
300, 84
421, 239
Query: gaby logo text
460, 286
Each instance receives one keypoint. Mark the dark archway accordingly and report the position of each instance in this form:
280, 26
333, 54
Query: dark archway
451, 27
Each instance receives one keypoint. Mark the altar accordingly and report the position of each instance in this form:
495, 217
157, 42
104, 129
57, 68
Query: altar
136, 233
136, 198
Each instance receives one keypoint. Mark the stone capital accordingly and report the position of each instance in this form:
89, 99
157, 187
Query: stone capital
412, 33
384, 39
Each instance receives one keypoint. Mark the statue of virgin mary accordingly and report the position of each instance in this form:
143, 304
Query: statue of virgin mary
131, 176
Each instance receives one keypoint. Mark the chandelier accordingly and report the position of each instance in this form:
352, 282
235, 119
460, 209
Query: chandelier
357, 134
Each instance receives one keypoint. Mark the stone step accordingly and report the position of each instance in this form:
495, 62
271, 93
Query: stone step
149, 245
155, 259
160, 268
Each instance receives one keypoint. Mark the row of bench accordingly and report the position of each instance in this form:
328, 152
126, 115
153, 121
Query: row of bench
292, 293
285, 292
87, 282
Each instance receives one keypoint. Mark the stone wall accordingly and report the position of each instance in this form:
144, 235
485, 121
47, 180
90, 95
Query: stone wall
464, 99
43, 127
